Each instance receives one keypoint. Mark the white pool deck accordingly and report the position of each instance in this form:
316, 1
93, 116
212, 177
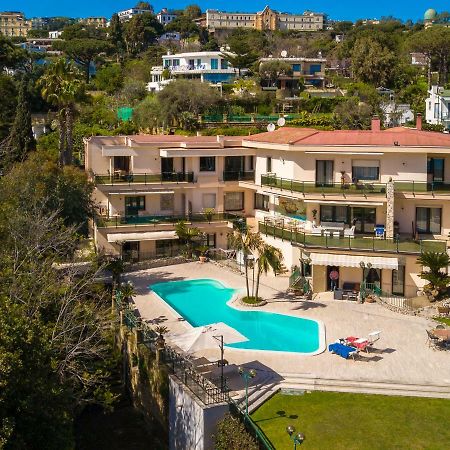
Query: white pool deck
402, 355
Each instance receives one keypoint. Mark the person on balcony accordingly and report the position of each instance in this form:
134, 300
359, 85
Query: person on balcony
334, 277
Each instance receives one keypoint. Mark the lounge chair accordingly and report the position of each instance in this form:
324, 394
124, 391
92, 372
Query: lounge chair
350, 232
316, 231
373, 337
342, 350
359, 343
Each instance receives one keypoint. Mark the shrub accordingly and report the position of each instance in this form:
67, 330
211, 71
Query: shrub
232, 435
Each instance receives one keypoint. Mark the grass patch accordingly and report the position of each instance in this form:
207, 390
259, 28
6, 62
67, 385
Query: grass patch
251, 300
444, 320
332, 420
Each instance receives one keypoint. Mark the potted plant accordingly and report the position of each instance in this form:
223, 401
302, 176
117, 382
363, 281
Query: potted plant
209, 213
160, 341
202, 250
314, 214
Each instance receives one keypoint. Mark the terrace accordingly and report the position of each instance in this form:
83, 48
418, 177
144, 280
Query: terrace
422, 187
358, 243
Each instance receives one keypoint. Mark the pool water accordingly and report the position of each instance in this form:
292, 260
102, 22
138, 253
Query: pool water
202, 302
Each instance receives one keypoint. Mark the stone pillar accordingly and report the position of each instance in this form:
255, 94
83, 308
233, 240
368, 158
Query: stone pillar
390, 209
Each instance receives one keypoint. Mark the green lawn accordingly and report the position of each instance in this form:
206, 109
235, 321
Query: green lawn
332, 420
444, 320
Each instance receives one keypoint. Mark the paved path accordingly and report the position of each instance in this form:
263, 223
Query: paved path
401, 356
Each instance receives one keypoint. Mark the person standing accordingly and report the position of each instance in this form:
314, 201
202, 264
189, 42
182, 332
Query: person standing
334, 278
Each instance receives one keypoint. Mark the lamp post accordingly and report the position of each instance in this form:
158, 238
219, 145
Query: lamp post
220, 340
362, 290
296, 438
246, 375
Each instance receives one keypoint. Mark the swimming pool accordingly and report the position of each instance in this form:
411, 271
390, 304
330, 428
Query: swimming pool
202, 302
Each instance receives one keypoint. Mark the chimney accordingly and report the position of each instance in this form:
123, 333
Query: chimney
376, 123
419, 121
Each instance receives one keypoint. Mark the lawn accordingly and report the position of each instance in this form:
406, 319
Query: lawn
332, 420
444, 320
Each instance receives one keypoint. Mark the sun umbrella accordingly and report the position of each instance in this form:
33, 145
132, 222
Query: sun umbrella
206, 337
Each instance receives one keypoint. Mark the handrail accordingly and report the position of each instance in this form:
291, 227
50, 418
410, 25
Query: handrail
312, 187
422, 187
144, 178
238, 175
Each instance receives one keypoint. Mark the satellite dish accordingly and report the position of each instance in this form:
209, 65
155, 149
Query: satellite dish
281, 122
271, 127
284, 54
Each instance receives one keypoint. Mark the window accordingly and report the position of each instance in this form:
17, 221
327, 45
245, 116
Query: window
269, 164
329, 213
324, 172
234, 201
209, 200
262, 202
167, 202
223, 64
435, 169
428, 220
210, 240
251, 162
207, 163
296, 67
214, 63
133, 205
176, 62
398, 281
365, 170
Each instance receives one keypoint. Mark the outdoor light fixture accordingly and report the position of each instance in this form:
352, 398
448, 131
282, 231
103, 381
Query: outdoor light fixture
246, 375
296, 438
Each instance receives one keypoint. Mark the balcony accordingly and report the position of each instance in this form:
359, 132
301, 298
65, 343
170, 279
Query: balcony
311, 187
144, 178
358, 243
422, 187
239, 175
156, 220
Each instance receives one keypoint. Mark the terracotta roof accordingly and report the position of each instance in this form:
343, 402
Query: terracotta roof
390, 137
149, 138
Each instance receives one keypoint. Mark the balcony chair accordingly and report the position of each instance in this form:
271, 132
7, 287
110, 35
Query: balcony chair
350, 232
380, 231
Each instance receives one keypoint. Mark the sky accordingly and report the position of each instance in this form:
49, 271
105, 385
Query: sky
336, 9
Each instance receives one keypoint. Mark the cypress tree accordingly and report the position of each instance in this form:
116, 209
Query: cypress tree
20, 140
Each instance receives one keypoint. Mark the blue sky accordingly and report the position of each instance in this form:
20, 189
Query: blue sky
336, 9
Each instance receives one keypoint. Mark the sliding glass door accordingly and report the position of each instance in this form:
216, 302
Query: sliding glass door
365, 219
324, 172
428, 220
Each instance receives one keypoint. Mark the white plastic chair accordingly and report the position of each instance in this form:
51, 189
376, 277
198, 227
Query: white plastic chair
350, 232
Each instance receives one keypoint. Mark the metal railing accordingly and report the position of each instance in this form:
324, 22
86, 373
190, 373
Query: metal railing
422, 187
363, 243
239, 175
145, 178
156, 220
311, 187
398, 301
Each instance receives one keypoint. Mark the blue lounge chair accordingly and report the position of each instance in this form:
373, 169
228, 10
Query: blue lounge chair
342, 350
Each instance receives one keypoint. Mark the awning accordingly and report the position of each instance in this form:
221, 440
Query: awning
329, 259
344, 203
124, 193
144, 236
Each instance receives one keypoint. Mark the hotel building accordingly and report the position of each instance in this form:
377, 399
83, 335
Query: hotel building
14, 24
267, 19
367, 203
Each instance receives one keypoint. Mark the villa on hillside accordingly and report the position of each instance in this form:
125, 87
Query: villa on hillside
362, 203
438, 106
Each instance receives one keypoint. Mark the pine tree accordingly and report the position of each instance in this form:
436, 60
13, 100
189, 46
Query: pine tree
116, 34
20, 140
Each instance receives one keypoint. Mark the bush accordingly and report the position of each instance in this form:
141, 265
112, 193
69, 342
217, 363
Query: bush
232, 435
231, 131
109, 79
431, 127
320, 121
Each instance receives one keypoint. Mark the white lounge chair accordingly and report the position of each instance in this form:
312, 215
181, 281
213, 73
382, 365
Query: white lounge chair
373, 337
316, 231
350, 232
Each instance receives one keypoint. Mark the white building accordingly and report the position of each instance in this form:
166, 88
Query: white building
437, 106
128, 14
209, 67
166, 16
54, 34
396, 114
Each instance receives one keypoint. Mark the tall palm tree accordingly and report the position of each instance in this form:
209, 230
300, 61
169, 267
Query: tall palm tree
187, 235
269, 257
247, 242
61, 85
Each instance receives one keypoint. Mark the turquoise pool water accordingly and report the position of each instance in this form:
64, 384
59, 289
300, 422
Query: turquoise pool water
202, 302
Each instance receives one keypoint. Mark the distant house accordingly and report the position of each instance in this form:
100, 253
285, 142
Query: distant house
128, 14
169, 37
166, 16
438, 106
419, 59
209, 67
396, 114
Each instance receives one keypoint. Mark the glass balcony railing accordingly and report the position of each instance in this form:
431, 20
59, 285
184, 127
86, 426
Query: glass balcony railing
230, 175
311, 187
129, 221
422, 187
145, 178
357, 243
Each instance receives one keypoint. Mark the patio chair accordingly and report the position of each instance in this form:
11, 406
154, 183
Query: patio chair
380, 231
344, 351
350, 232
373, 337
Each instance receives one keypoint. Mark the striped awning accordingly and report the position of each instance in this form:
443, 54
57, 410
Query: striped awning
329, 259
144, 236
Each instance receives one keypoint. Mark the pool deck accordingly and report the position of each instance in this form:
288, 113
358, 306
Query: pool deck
402, 355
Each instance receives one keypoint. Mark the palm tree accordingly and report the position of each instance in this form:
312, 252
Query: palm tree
247, 242
61, 85
187, 235
269, 257
438, 280
127, 290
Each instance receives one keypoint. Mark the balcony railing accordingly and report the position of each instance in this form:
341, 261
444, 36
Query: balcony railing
129, 221
311, 187
422, 187
145, 178
239, 175
363, 243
